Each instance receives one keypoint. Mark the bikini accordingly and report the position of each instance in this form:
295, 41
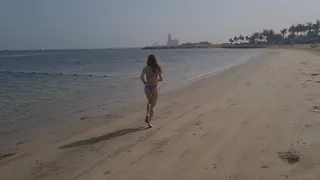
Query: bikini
151, 86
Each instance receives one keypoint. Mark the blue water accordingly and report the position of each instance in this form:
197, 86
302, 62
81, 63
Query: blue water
38, 87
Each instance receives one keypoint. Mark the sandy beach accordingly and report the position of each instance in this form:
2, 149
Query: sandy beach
259, 120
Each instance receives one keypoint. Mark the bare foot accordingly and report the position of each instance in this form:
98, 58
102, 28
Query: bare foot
150, 125
146, 120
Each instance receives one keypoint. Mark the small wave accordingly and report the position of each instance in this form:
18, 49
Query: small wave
22, 55
113, 85
74, 59
139, 61
202, 76
52, 74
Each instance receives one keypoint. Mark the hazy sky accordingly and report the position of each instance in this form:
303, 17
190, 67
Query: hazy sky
34, 24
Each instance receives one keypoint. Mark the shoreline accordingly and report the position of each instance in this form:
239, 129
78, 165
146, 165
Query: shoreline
225, 46
238, 46
215, 127
67, 123
94, 117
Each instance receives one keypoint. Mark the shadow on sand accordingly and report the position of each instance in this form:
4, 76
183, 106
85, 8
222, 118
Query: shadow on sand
104, 137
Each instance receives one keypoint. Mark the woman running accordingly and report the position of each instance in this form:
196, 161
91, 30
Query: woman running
153, 74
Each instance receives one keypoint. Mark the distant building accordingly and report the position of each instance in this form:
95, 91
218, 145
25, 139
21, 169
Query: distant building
169, 40
172, 42
155, 44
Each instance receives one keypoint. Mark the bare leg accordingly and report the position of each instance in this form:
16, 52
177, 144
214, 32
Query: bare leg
153, 102
148, 95
148, 112
150, 116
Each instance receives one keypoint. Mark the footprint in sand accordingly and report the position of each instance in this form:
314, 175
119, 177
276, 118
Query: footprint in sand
199, 124
315, 74
83, 118
316, 109
308, 125
285, 176
7, 155
107, 172
290, 156
21, 142
214, 166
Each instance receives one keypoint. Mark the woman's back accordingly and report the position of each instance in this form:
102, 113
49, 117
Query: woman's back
151, 77
152, 71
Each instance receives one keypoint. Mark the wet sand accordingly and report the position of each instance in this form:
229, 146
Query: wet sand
259, 120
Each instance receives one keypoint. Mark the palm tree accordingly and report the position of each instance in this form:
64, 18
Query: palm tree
309, 27
254, 37
247, 38
241, 38
293, 30
301, 33
235, 39
260, 37
265, 32
268, 35
300, 28
284, 32
292, 34
271, 36
305, 28
316, 27
231, 40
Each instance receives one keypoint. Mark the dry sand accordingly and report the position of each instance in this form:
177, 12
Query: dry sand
255, 121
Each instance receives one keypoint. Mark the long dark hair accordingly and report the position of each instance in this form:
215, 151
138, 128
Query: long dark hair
153, 63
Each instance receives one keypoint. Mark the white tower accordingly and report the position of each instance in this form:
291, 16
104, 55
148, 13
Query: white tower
169, 42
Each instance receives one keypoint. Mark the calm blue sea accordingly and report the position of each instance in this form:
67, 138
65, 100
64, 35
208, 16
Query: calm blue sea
41, 87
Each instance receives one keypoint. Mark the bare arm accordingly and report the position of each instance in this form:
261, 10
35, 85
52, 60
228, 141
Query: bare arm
142, 76
160, 77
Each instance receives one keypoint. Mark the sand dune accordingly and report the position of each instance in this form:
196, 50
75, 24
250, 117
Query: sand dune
259, 120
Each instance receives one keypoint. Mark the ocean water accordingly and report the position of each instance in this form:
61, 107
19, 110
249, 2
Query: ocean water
44, 87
